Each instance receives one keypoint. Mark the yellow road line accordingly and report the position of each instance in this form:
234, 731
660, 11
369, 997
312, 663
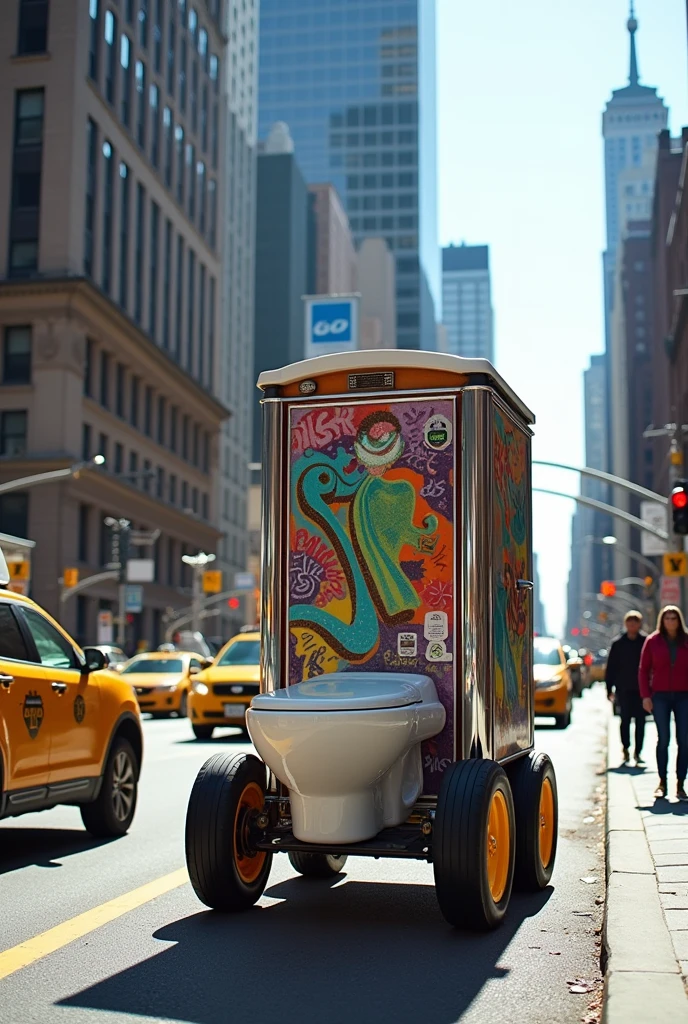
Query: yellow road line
55, 938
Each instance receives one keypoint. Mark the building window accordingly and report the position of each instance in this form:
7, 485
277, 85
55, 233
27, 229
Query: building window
119, 459
147, 473
138, 278
162, 406
190, 323
211, 330
171, 48
155, 125
13, 432
26, 182
125, 61
157, 35
193, 96
103, 446
213, 71
193, 24
16, 356
200, 174
212, 211
108, 190
205, 506
94, 47
196, 443
84, 520
33, 26
180, 298
88, 368
119, 389
174, 415
206, 452
167, 270
134, 408
91, 171
85, 441
173, 489
179, 143
185, 438
129, 11
201, 343
14, 513
214, 136
123, 235
204, 117
182, 74
153, 266
133, 467
110, 55
143, 23
185, 495
190, 165
105, 380
141, 103
160, 486
167, 143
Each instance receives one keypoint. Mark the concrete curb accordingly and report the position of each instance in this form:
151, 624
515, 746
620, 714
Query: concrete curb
643, 981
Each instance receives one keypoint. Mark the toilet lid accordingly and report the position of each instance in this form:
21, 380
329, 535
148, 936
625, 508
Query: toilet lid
340, 692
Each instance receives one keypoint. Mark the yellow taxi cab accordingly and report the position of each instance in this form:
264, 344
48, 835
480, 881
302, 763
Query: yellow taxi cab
161, 680
70, 730
221, 693
553, 687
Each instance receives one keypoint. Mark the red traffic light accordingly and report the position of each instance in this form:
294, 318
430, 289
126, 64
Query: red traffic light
575, 631
608, 588
679, 498
588, 659
233, 603
585, 631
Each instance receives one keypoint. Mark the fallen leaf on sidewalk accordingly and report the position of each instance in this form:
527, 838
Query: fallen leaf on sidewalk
534, 947
579, 987
589, 879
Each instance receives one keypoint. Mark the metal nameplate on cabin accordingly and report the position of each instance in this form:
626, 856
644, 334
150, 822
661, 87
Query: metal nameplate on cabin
371, 381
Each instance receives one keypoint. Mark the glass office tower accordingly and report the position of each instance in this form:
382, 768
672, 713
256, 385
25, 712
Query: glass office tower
355, 82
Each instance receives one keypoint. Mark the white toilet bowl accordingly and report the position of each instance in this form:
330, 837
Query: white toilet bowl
347, 746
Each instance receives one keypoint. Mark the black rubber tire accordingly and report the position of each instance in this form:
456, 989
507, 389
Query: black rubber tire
527, 776
563, 721
210, 836
101, 817
203, 732
459, 844
317, 865
182, 713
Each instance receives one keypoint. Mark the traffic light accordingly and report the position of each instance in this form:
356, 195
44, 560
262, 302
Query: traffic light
679, 507
585, 631
233, 603
649, 583
575, 631
608, 588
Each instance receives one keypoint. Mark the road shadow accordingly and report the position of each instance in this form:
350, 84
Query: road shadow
42, 847
661, 806
359, 951
628, 769
215, 741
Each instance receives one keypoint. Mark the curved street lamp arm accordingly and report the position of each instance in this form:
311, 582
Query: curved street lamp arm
618, 481
609, 509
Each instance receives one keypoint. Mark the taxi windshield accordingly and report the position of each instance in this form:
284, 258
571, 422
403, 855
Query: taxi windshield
154, 665
243, 652
546, 654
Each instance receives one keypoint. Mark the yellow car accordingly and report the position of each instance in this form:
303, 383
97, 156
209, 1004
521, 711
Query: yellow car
553, 687
161, 681
221, 693
70, 731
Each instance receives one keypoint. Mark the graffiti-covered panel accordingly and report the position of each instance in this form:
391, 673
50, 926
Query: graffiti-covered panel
371, 569
511, 562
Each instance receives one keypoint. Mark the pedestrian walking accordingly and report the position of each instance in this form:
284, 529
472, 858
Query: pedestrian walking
622, 683
663, 681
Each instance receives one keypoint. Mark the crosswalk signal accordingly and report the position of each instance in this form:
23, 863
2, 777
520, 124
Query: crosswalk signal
608, 588
679, 507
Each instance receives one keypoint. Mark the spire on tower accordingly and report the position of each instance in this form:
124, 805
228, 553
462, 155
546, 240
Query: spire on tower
632, 26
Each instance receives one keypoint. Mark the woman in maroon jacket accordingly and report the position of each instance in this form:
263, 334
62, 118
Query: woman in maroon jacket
663, 679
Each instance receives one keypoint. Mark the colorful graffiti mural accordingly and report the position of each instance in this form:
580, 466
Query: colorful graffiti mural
371, 570
512, 630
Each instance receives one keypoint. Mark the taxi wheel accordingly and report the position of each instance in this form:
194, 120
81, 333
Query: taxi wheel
563, 721
473, 844
317, 865
536, 804
182, 713
111, 813
227, 873
203, 732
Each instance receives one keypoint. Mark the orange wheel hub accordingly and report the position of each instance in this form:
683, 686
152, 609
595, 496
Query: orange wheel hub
248, 865
546, 823
498, 850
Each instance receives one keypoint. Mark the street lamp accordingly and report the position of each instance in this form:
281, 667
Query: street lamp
55, 474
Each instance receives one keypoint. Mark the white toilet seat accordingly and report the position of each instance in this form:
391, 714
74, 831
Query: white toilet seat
351, 691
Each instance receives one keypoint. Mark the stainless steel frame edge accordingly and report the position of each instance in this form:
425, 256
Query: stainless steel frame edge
476, 571
272, 540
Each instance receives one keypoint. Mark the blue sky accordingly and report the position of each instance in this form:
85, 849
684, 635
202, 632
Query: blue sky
521, 90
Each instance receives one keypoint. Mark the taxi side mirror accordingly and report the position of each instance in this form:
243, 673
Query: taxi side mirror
194, 670
95, 659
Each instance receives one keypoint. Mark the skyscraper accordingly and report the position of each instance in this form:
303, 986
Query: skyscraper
467, 302
355, 82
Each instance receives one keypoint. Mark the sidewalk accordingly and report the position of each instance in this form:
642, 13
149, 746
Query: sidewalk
646, 919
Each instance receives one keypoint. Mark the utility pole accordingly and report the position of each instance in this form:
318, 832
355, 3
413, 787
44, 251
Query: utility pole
121, 529
198, 564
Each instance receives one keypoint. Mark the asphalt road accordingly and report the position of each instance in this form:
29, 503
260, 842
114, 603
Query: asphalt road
369, 947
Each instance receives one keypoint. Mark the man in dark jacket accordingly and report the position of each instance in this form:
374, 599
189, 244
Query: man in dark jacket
622, 683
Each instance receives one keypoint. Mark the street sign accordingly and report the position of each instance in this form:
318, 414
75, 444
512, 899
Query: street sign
212, 581
104, 631
675, 563
244, 581
19, 571
133, 598
654, 514
140, 570
670, 590
70, 577
331, 324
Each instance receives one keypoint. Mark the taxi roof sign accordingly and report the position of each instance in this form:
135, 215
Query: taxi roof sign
4, 571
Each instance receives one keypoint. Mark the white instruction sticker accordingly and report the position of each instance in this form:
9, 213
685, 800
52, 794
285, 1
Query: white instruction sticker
436, 626
407, 645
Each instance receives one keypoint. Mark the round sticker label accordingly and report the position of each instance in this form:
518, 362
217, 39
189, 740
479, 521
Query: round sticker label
438, 433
